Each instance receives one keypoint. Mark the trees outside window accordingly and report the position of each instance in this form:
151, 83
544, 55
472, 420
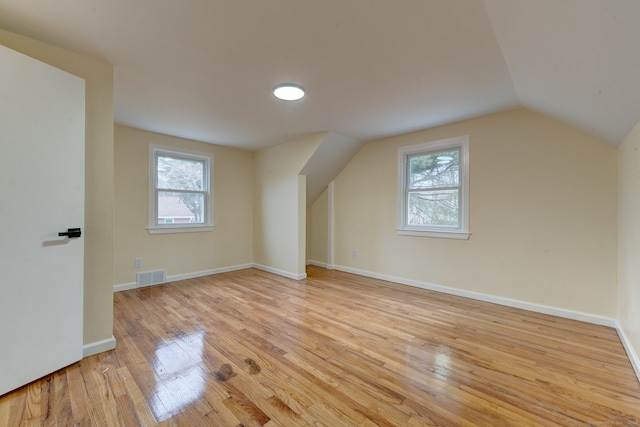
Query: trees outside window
179, 197
433, 189
182, 180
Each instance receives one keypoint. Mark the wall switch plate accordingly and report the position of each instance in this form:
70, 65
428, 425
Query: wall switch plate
138, 262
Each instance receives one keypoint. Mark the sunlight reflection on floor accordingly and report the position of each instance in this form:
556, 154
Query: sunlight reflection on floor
180, 375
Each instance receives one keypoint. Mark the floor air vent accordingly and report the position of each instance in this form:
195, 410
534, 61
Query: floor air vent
150, 278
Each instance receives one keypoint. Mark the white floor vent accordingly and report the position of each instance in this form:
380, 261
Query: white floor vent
150, 278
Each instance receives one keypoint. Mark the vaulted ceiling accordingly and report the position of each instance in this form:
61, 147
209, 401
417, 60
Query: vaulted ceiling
204, 69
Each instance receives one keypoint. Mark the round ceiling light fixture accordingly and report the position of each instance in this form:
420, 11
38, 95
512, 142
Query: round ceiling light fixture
288, 92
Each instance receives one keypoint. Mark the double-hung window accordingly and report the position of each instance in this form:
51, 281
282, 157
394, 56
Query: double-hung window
433, 188
179, 190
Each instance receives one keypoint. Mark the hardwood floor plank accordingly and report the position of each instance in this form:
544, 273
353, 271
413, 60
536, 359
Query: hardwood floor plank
56, 404
78, 395
142, 412
249, 348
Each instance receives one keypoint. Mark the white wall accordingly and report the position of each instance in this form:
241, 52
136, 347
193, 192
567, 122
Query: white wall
280, 206
629, 243
542, 215
318, 231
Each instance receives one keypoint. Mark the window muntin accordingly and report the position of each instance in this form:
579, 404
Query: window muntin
179, 196
433, 189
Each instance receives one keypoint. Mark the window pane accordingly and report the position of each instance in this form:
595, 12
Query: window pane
435, 170
435, 208
180, 174
180, 208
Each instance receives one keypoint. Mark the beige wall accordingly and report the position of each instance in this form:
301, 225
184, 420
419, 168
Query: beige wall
543, 210
318, 231
629, 240
280, 205
98, 233
229, 244
542, 215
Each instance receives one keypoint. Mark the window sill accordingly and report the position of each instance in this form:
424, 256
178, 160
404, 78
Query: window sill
459, 235
183, 229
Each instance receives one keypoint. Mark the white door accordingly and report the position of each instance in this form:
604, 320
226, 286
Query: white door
41, 194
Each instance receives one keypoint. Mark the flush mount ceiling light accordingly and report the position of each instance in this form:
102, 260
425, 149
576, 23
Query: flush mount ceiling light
288, 92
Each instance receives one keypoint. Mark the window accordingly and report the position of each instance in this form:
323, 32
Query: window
433, 189
179, 191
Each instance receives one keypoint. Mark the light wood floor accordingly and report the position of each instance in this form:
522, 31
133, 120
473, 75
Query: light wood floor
248, 348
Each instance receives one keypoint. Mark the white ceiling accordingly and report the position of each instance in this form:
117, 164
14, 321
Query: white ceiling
204, 69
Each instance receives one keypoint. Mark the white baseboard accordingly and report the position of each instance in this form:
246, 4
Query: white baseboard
98, 346
538, 308
555, 311
208, 272
633, 356
175, 278
124, 287
279, 272
318, 264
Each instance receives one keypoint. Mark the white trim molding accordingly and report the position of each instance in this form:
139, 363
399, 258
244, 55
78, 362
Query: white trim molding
330, 223
124, 286
633, 356
461, 230
318, 264
159, 151
110, 344
538, 308
175, 278
437, 235
220, 270
98, 346
182, 229
279, 272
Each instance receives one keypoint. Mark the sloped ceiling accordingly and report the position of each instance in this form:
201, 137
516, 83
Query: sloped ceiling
204, 69
332, 155
577, 60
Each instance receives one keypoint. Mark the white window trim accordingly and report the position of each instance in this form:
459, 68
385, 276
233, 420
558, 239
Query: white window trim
461, 232
153, 227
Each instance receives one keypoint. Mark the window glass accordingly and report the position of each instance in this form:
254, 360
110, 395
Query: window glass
434, 170
180, 174
433, 189
179, 195
437, 208
182, 208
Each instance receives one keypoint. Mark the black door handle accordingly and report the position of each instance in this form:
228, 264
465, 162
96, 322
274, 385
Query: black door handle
71, 233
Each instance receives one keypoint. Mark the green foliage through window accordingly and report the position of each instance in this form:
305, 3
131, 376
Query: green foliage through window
180, 192
180, 174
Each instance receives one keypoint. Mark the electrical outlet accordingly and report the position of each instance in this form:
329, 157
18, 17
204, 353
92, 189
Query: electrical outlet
138, 262
355, 253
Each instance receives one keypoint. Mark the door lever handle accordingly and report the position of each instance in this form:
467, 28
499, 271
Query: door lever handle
71, 233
